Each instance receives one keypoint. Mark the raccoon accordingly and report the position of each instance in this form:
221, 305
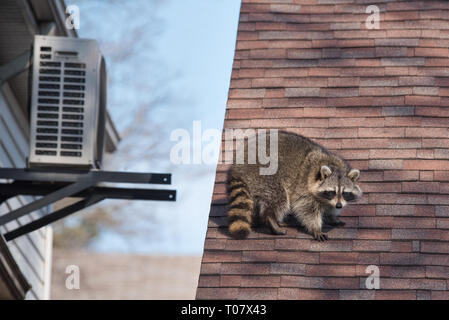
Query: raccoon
310, 183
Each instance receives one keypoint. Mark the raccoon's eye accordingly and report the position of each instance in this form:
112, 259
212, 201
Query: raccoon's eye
328, 194
348, 196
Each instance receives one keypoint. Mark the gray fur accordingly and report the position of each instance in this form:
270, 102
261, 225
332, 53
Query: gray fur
305, 172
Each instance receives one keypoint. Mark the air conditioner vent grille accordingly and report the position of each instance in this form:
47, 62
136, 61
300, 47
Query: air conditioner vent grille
73, 109
51, 101
53, 90
49, 86
48, 115
74, 94
74, 80
74, 87
47, 130
72, 117
71, 146
47, 108
47, 123
46, 152
72, 124
75, 65
71, 139
72, 131
70, 154
49, 71
65, 101
49, 93
74, 72
46, 138
50, 64
46, 145
53, 79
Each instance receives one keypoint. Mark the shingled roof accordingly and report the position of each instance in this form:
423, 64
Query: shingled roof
379, 98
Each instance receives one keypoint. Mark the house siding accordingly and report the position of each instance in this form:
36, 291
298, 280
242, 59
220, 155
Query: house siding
33, 251
380, 99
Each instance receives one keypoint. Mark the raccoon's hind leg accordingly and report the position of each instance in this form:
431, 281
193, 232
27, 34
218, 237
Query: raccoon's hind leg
274, 226
273, 211
240, 209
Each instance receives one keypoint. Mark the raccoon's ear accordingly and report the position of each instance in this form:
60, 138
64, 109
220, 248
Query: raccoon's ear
325, 172
354, 175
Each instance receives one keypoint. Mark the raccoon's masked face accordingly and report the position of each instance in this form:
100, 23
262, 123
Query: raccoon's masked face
336, 188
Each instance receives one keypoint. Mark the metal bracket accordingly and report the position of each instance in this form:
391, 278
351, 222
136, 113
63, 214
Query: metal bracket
15, 66
56, 184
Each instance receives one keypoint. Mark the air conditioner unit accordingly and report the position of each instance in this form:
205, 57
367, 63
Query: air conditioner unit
68, 103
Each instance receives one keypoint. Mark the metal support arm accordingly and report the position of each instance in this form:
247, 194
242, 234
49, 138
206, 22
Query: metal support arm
56, 184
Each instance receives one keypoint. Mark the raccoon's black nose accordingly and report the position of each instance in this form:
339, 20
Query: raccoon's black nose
338, 205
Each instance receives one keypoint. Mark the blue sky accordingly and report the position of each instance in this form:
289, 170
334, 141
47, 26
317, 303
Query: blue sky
174, 58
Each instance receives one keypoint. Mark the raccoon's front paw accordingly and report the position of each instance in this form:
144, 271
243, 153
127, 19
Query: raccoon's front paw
280, 232
337, 223
320, 236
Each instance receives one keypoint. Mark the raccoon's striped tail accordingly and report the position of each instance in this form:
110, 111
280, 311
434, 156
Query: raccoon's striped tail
240, 209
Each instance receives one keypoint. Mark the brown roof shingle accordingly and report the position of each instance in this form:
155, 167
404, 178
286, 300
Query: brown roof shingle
380, 99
